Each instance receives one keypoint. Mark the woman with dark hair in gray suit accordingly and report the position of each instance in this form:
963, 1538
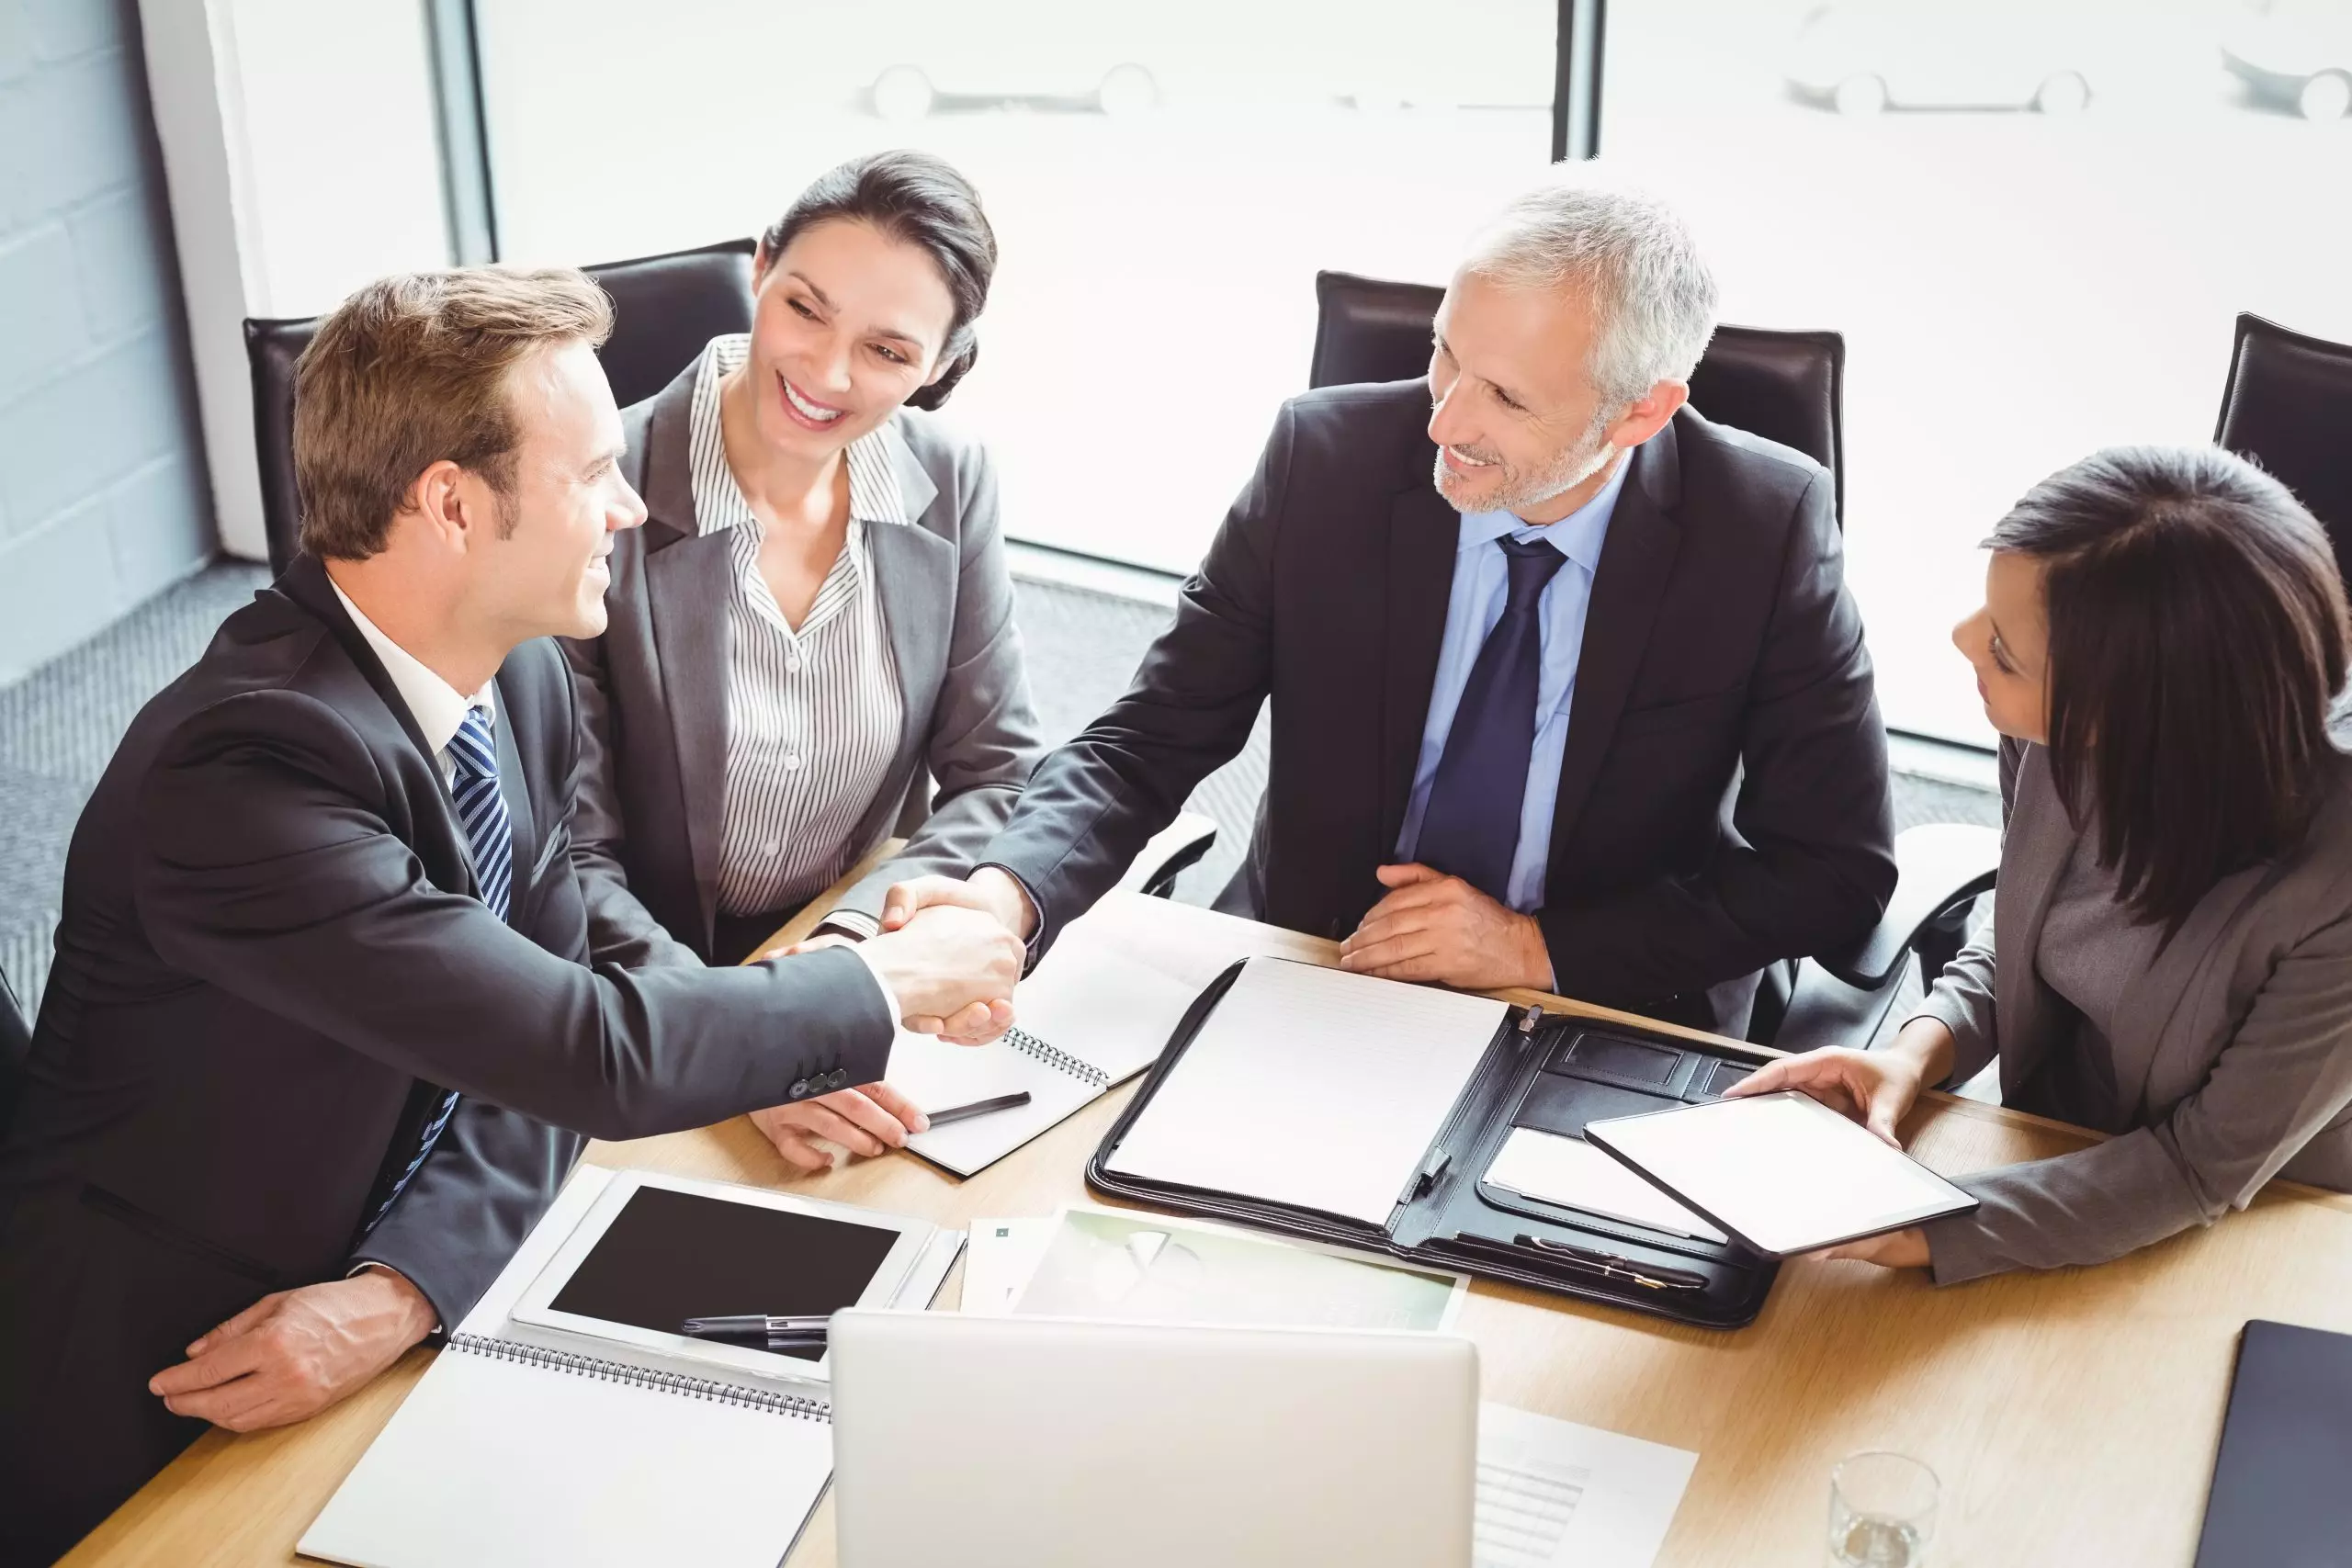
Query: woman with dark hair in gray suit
813, 631
2162, 643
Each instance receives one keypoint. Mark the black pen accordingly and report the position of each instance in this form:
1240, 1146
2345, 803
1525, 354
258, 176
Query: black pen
1646, 1274
777, 1332
978, 1108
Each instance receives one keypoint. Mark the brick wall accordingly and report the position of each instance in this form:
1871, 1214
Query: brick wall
103, 497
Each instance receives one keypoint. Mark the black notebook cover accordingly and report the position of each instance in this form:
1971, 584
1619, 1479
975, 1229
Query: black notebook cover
2280, 1497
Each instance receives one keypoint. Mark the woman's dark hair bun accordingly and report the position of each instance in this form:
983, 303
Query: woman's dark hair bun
930, 397
921, 200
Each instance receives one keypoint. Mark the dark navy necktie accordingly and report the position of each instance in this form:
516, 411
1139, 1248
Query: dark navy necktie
473, 757
1470, 828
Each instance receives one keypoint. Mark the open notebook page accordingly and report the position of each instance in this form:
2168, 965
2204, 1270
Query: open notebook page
1311, 1087
1089, 1017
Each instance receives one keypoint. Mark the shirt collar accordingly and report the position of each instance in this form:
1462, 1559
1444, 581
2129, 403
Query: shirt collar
1578, 535
874, 495
437, 705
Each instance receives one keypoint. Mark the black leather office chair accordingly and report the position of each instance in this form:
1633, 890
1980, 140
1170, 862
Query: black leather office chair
16, 1043
1783, 386
1787, 387
664, 309
2289, 407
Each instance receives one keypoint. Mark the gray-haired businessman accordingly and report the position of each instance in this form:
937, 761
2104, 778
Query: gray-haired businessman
1568, 689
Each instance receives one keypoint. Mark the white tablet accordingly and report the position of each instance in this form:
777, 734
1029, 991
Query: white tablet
1783, 1173
655, 1250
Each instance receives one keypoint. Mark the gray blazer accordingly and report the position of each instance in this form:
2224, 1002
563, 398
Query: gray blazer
653, 690
2232, 1054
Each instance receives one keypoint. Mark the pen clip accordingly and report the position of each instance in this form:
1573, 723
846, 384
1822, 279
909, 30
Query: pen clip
1425, 1176
1609, 1266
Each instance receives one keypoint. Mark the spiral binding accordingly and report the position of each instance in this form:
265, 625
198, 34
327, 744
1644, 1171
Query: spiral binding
641, 1377
1078, 1067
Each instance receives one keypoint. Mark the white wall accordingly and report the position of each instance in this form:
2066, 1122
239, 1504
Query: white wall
302, 157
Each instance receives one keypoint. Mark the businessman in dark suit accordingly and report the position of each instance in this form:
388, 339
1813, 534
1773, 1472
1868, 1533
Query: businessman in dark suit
322, 1039
1568, 689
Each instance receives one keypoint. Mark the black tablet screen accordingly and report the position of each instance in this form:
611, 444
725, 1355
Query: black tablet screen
669, 1256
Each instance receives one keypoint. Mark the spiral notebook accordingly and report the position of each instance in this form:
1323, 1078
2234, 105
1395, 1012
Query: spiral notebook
1091, 1018
523, 1446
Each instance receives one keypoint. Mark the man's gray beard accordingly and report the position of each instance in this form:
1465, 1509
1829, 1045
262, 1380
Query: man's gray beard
1567, 471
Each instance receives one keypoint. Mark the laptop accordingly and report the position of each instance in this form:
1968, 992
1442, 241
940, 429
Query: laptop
1008, 1442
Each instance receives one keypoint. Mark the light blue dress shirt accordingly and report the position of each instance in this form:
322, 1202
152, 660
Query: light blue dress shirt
1481, 586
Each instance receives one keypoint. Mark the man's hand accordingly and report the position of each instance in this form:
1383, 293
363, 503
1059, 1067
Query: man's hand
864, 1120
293, 1353
1435, 927
952, 970
989, 890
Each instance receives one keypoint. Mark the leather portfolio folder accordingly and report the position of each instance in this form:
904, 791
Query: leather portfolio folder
1538, 1073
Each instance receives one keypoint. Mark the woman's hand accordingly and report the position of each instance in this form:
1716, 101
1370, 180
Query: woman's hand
870, 1119
1875, 1088
1895, 1249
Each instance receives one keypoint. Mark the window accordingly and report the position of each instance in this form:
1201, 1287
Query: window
2035, 222
1165, 180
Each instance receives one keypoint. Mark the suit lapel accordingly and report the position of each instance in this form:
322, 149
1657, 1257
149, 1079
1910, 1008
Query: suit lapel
1424, 531
687, 588
914, 579
450, 862
689, 576
1637, 560
2039, 843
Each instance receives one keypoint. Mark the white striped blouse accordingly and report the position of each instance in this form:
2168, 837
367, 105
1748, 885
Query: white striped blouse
813, 716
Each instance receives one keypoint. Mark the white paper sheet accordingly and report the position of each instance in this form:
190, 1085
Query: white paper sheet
1312, 1086
1552, 1493
1572, 1173
998, 1260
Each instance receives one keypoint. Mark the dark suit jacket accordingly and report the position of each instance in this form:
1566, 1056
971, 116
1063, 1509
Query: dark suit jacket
271, 950
653, 783
1723, 801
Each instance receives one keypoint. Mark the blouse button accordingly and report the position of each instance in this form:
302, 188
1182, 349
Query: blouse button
773, 846
792, 665
792, 761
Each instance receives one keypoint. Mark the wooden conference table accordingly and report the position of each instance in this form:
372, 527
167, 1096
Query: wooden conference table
2071, 1418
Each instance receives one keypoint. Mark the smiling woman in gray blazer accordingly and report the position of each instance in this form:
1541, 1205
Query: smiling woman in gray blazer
2162, 643
813, 631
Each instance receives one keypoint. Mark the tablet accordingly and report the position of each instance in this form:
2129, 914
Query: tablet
655, 1250
1783, 1173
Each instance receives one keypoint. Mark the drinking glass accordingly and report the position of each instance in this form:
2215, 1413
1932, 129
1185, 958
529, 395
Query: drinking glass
1881, 1511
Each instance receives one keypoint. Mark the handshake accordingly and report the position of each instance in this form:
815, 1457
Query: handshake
950, 952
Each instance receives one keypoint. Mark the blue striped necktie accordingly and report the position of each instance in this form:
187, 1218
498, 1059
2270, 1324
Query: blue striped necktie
473, 758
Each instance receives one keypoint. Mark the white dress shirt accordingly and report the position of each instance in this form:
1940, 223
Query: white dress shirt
437, 707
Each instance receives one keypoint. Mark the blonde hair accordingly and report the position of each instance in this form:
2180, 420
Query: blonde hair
412, 370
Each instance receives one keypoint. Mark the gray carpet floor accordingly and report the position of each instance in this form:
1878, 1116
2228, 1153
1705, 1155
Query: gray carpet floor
59, 726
